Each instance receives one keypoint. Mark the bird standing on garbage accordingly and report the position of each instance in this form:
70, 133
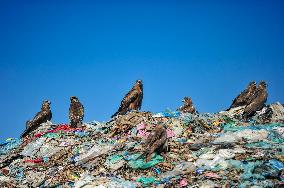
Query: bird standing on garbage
187, 107
257, 102
41, 117
76, 112
157, 141
132, 100
245, 97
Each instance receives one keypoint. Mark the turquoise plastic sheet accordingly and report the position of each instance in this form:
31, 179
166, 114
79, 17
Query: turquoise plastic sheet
136, 162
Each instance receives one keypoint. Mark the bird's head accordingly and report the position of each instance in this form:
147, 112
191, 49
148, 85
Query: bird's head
139, 83
74, 99
187, 100
262, 84
252, 85
45, 104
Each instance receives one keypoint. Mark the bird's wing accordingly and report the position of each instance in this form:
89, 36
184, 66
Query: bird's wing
81, 110
40, 117
239, 99
265, 96
140, 96
256, 104
249, 109
128, 99
76, 112
70, 111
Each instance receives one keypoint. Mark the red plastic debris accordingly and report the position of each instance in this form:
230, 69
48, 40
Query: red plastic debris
34, 160
62, 127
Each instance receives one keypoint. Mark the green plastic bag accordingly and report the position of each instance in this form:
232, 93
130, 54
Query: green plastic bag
51, 135
146, 180
136, 162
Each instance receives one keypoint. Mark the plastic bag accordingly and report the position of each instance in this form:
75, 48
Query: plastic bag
146, 180
9, 145
136, 162
95, 151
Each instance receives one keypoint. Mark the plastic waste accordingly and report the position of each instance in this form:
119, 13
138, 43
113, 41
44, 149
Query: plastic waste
32, 148
146, 180
168, 113
246, 134
183, 183
278, 111
276, 164
95, 151
212, 175
10, 144
135, 161
205, 150
84, 180
266, 171
115, 162
183, 168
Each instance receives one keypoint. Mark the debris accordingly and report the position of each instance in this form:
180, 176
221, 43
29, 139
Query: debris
137, 162
146, 180
141, 149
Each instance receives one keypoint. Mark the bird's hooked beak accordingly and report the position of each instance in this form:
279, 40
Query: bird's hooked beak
186, 99
139, 81
47, 102
263, 83
73, 98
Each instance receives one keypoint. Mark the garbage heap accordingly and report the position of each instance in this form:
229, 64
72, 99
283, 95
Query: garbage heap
204, 150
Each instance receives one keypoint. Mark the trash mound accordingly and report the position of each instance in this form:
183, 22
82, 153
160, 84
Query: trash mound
203, 150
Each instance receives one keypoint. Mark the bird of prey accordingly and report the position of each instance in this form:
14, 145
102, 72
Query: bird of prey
132, 100
245, 97
157, 141
76, 112
41, 117
257, 102
187, 106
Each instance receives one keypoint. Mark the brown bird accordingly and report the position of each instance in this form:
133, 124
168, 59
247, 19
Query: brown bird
245, 97
257, 102
187, 107
41, 117
157, 141
132, 100
76, 112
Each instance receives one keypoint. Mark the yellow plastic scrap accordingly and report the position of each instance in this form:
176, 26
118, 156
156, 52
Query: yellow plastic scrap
280, 158
72, 176
121, 141
216, 123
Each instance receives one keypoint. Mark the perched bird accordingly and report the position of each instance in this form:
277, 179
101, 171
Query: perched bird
76, 112
157, 141
257, 102
245, 97
41, 117
132, 100
187, 107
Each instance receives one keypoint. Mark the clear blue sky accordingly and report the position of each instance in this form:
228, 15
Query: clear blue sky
96, 50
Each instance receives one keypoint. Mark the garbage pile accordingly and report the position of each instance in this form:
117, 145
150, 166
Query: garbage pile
198, 150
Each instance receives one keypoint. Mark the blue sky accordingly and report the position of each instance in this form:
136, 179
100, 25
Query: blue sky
97, 49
